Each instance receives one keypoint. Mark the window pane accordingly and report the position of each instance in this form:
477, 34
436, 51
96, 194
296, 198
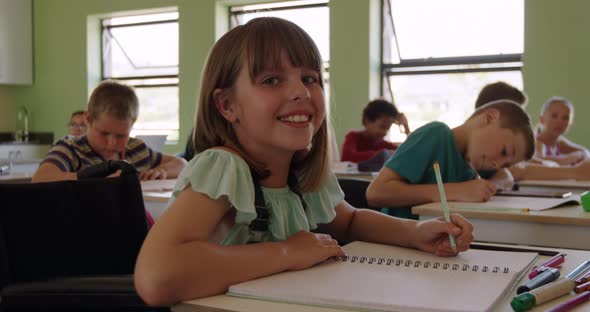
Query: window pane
449, 98
434, 28
314, 20
158, 112
141, 50
145, 48
145, 18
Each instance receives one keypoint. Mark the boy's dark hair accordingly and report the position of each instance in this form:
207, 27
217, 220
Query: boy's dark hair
500, 90
378, 108
76, 113
514, 117
116, 99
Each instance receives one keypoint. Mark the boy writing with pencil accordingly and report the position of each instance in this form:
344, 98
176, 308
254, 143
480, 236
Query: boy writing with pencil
497, 135
112, 110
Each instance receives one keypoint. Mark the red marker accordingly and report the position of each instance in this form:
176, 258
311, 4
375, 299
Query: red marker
582, 288
584, 279
554, 262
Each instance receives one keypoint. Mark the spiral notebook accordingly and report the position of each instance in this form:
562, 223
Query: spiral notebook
387, 278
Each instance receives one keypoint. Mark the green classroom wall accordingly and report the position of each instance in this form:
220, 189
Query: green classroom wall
64, 75
556, 58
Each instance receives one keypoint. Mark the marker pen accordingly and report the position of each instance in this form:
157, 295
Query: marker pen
582, 288
554, 262
584, 279
549, 275
545, 293
528, 300
570, 304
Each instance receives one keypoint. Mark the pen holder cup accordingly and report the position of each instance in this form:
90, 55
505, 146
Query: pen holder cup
586, 200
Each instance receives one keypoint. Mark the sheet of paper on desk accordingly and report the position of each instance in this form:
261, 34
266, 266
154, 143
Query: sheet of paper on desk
556, 183
512, 203
158, 185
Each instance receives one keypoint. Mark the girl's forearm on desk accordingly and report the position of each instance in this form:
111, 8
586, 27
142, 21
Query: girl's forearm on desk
199, 269
372, 226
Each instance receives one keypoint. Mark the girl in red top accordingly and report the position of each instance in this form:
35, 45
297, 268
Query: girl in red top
378, 116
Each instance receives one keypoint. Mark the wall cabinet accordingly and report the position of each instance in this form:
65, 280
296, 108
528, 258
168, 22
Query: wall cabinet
16, 42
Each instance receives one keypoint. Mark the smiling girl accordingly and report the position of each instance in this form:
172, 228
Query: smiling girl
259, 198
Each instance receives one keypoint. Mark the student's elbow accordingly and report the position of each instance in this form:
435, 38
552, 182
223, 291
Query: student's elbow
153, 288
179, 162
375, 198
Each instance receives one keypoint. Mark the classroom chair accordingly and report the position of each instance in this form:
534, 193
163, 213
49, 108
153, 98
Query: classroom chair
354, 192
72, 245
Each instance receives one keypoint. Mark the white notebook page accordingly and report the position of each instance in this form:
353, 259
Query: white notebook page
384, 287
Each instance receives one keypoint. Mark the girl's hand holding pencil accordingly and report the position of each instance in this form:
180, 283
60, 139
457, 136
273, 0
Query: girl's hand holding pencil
433, 235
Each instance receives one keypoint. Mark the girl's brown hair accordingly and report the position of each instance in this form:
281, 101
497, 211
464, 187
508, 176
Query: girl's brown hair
257, 46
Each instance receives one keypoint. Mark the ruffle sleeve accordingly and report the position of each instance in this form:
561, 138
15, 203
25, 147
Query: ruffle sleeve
321, 204
217, 172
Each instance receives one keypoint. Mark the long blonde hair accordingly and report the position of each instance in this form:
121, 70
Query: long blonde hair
258, 46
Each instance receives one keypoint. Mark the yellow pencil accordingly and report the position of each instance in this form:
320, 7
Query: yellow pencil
443, 200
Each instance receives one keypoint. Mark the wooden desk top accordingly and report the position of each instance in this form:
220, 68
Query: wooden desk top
569, 215
157, 190
357, 175
229, 303
161, 197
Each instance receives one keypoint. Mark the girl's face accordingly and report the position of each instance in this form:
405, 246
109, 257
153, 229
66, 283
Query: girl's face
556, 119
279, 112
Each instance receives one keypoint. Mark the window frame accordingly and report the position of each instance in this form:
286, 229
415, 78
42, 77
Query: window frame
128, 79
438, 65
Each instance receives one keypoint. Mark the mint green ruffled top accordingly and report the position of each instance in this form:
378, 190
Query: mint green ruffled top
217, 172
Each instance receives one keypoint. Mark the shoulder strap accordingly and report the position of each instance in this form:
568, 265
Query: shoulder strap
260, 224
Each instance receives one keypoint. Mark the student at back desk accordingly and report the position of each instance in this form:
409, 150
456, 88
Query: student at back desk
112, 110
497, 135
557, 116
556, 158
362, 145
499, 90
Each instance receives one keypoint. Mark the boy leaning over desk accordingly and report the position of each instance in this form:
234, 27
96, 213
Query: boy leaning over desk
497, 135
112, 110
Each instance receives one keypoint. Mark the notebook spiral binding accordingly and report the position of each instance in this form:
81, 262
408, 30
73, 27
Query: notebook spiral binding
423, 264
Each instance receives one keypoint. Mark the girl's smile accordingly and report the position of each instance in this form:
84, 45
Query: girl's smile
297, 120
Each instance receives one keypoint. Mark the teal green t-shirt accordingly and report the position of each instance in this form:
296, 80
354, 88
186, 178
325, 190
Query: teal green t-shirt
413, 159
